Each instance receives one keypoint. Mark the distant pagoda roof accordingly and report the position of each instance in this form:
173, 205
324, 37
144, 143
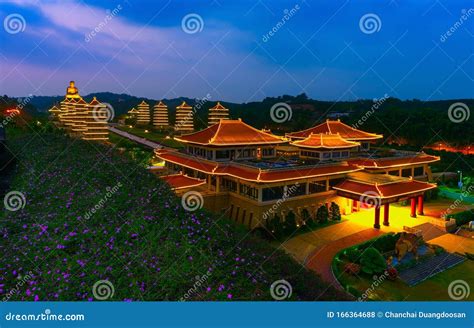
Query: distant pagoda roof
184, 105
218, 106
325, 141
161, 104
388, 162
229, 133
336, 127
133, 110
143, 103
94, 101
54, 109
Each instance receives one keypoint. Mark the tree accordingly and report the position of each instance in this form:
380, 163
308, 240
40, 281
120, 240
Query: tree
372, 261
335, 212
322, 214
289, 225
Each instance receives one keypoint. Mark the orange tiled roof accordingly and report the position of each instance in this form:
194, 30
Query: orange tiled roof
336, 127
388, 190
393, 162
183, 105
180, 181
229, 133
326, 141
253, 173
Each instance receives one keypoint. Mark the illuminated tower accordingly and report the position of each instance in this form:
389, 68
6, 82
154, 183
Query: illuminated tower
217, 113
184, 118
160, 115
95, 125
143, 117
80, 118
54, 113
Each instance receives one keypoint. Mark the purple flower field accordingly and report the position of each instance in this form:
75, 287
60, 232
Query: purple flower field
92, 214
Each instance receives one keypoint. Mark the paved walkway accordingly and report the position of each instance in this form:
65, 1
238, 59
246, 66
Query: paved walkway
320, 260
135, 138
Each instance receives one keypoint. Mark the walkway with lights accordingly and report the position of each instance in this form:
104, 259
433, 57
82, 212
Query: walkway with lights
135, 138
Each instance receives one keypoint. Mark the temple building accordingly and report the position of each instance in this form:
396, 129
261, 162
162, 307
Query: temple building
133, 112
184, 118
217, 113
79, 118
143, 116
160, 115
239, 172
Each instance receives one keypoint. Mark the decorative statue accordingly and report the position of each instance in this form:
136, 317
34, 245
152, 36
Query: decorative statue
408, 242
71, 91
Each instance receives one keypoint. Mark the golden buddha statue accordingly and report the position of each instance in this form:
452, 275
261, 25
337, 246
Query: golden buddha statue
71, 91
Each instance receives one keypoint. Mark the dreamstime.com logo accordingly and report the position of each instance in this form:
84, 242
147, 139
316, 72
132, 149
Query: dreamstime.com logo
14, 201
281, 112
197, 286
459, 290
281, 289
370, 198
101, 203
370, 23
14, 23
192, 201
458, 112
103, 290
103, 112
47, 315
192, 23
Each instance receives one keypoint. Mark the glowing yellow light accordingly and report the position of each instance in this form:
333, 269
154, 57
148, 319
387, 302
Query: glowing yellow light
130, 126
146, 131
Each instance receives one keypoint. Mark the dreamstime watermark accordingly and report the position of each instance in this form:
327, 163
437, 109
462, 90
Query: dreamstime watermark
281, 112
281, 289
370, 198
103, 112
197, 286
110, 192
378, 280
465, 193
14, 201
458, 112
192, 23
465, 14
103, 290
22, 280
370, 23
110, 15
47, 315
459, 290
189, 116
287, 15
14, 23
288, 191
11, 114
192, 201
376, 105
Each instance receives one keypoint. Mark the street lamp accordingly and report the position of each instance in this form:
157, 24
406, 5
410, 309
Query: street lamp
460, 180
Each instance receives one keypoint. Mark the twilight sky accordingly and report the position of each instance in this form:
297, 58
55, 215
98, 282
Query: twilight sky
225, 50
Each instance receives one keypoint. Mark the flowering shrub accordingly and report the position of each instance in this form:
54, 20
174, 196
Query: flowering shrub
392, 273
352, 268
140, 238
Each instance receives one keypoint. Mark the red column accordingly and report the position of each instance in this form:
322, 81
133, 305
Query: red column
420, 205
354, 205
413, 207
385, 214
377, 217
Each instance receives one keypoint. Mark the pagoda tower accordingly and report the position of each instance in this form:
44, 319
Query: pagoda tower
67, 106
80, 118
160, 115
143, 117
133, 112
184, 118
54, 113
95, 127
217, 113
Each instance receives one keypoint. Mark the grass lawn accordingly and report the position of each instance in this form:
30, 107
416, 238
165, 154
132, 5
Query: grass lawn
432, 289
152, 135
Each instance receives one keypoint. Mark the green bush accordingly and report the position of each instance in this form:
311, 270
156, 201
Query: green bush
372, 261
322, 214
463, 217
289, 226
354, 291
335, 212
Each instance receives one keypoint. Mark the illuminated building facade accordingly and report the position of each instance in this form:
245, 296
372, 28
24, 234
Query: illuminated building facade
236, 169
143, 116
217, 113
184, 118
79, 118
160, 115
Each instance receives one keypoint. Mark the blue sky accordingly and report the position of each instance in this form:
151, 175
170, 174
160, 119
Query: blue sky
321, 49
